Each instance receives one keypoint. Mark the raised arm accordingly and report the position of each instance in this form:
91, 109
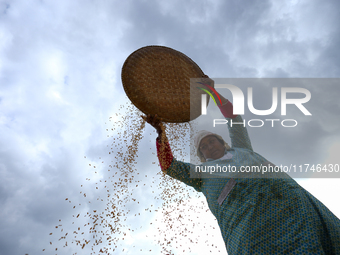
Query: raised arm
237, 131
169, 165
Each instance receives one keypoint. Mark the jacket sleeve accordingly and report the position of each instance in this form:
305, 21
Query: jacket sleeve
236, 125
174, 168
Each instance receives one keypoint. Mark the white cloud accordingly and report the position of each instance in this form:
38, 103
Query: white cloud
60, 82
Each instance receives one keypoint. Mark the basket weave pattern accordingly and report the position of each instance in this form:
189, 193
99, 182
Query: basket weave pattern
157, 81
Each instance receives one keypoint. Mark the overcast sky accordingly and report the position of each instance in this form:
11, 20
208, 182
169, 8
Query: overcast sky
60, 91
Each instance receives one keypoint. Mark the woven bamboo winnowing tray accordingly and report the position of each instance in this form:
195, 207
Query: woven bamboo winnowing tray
157, 81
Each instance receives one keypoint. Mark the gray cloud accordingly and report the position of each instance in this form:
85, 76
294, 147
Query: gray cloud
60, 82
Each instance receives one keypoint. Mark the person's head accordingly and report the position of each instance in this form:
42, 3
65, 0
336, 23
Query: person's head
210, 145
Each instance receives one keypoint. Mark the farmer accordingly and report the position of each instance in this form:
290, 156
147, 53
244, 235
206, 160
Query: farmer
255, 215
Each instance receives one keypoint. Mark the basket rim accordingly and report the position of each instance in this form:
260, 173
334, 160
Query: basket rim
159, 48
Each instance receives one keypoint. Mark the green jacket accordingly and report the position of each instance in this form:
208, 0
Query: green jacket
262, 215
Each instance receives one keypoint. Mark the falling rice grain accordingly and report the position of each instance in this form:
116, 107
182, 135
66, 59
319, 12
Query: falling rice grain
108, 225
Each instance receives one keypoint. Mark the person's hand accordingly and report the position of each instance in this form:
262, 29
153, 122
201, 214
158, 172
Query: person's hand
211, 82
207, 80
154, 121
